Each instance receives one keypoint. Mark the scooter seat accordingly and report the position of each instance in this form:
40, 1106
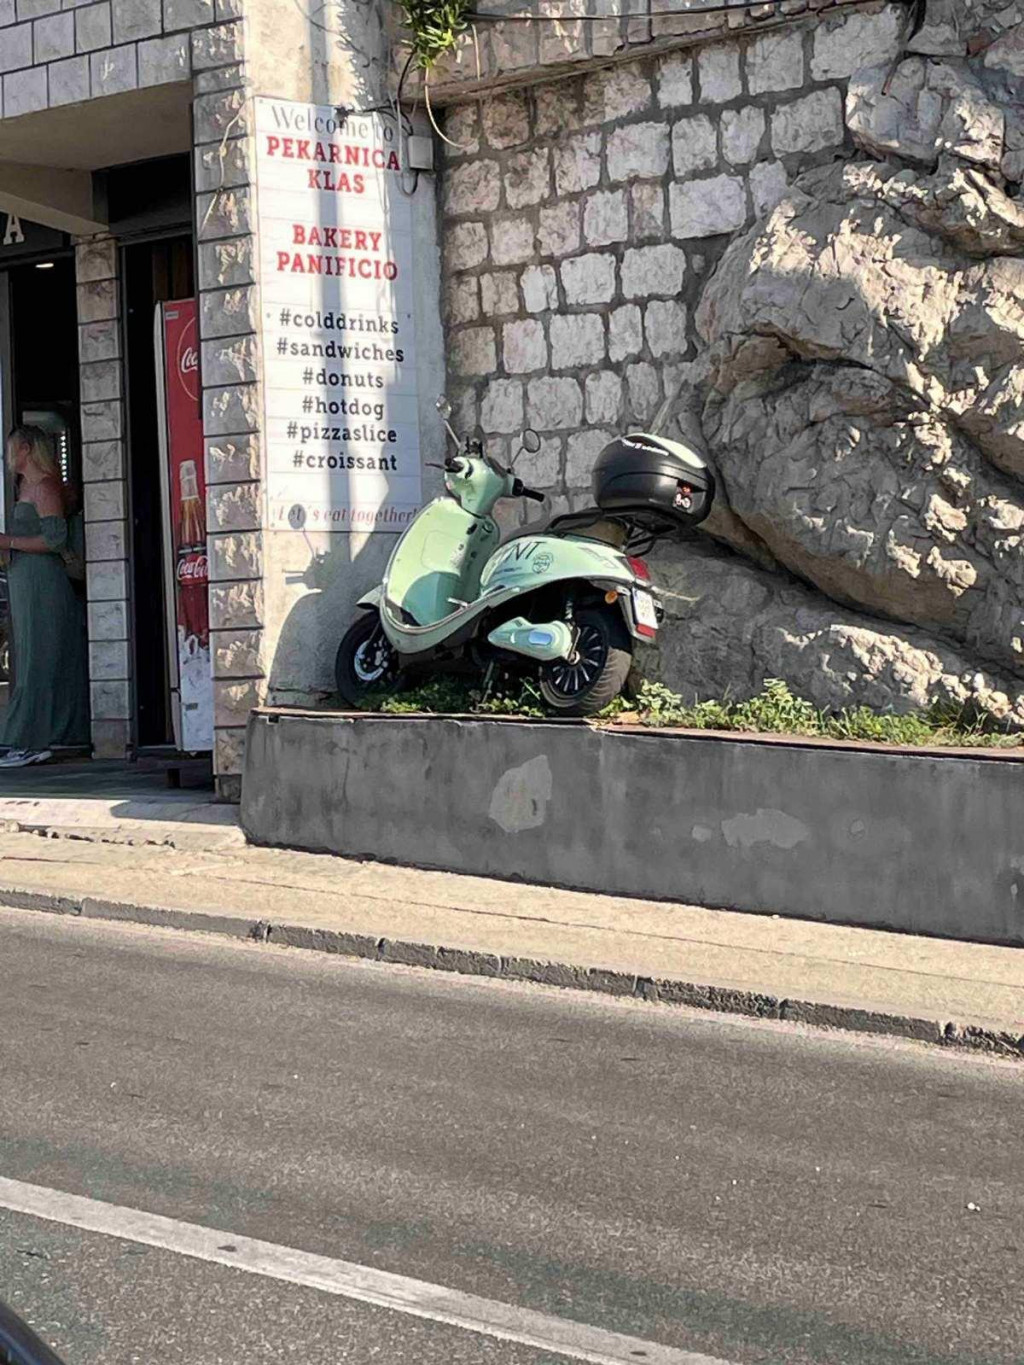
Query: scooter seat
564, 525
535, 528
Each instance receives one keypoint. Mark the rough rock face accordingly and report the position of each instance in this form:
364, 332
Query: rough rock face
861, 394
731, 625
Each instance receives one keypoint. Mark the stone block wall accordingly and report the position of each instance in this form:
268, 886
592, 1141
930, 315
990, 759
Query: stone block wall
530, 45
57, 52
231, 378
105, 493
581, 219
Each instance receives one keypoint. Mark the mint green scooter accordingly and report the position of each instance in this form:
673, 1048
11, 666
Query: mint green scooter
565, 602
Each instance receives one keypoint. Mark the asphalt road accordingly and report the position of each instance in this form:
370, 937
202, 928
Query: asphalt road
750, 1191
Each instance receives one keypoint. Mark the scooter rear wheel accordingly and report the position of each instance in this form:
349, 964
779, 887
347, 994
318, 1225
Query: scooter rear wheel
366, 665
585, 684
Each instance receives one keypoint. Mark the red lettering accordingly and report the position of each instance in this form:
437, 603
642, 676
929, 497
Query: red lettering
298, 235
273, 145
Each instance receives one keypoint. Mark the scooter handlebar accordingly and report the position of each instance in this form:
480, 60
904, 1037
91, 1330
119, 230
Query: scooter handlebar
520, 490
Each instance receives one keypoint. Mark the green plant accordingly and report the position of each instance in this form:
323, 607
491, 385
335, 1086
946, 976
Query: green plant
519, 698
659, 702
435, 27
880, 727
441, 694
775, 710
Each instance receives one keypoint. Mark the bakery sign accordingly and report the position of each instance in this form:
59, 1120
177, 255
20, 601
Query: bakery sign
19, 237
339, 346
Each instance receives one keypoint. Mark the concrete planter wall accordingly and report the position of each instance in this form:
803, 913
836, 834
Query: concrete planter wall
926, 842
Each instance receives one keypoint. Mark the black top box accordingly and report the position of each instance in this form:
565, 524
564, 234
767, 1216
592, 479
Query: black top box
653, 481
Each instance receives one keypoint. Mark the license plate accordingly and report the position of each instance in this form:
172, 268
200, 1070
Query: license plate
643, 605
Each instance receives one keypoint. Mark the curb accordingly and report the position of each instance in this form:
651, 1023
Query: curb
468, 962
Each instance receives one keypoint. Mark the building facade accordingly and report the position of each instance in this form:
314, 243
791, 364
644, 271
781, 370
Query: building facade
127, 137
590, 171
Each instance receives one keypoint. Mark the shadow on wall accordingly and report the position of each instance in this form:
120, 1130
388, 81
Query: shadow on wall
314, 578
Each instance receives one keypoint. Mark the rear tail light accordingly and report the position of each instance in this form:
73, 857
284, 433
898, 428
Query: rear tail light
639, 567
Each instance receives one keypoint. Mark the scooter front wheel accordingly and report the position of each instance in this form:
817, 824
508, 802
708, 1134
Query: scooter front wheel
366, 665
597, 672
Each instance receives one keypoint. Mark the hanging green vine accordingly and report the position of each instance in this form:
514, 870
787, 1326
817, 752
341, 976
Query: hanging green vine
435, 26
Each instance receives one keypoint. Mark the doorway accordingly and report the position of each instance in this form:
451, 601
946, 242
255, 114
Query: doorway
38, 376
39, 361
153, 272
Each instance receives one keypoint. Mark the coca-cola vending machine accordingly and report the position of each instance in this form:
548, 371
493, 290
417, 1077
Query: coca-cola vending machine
186, 573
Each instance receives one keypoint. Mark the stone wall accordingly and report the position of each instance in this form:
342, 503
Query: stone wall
819, 234
105, 489
582, 219
541, 40
54, 53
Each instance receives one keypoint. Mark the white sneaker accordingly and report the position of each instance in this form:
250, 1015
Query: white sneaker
21, 758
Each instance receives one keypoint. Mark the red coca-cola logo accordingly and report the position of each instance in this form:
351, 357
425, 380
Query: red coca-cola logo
194, 568
187, 360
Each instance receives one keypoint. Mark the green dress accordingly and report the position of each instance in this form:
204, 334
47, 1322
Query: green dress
49, 702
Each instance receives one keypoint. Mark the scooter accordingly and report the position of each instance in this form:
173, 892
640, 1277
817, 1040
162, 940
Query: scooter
566, 602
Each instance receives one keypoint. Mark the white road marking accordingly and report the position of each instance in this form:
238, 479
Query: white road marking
345, 1278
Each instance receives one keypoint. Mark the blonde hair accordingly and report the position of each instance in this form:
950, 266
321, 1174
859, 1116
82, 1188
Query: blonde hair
40, 449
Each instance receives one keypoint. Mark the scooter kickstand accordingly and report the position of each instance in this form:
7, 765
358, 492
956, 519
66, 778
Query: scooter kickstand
488, 679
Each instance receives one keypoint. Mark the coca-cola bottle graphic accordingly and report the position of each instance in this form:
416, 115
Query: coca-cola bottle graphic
192, 569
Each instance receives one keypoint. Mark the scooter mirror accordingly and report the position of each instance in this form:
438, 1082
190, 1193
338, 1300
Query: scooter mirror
529, 441
443, 407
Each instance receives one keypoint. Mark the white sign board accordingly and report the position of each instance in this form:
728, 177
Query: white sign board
336, 257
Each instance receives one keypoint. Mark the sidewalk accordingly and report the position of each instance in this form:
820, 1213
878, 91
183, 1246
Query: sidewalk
184, 865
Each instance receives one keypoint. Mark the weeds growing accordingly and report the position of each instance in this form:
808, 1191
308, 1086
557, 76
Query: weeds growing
775, 710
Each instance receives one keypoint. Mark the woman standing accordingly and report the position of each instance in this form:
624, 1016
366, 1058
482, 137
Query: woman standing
49, 700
